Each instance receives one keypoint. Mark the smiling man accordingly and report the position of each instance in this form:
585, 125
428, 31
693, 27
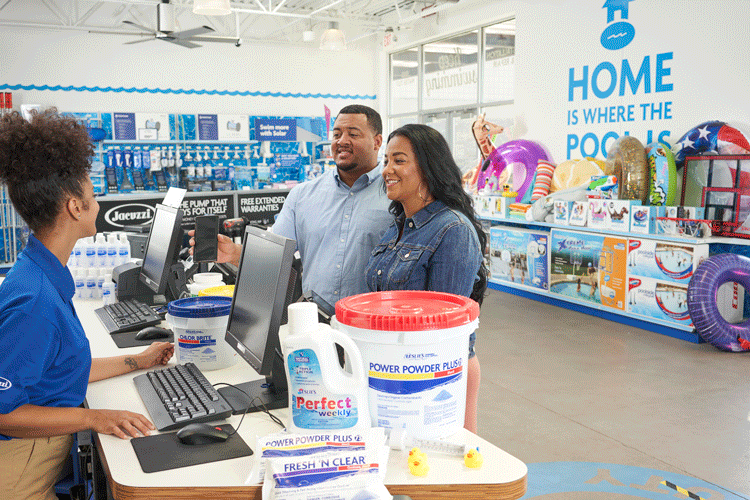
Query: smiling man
338, 218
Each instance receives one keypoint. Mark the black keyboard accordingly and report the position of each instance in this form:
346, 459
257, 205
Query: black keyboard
180, 395
126, 316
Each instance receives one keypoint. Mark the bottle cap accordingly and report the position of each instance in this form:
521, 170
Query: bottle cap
302, 316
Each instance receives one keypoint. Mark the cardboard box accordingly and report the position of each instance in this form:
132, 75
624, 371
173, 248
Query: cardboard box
589, 267
643, 218
501, 209
663, 300
579, 213
665, 261
598, 216
519, 256
562, 209
618, 212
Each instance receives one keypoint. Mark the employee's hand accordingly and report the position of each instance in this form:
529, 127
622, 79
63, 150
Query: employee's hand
228, 250
158, 353
119, 423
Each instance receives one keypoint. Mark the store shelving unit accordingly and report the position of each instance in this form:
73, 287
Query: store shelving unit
675, 330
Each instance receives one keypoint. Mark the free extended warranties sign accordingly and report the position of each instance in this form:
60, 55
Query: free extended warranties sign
600, 481
606, 98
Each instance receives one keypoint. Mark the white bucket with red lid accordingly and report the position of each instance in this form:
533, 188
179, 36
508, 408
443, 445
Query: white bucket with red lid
415, 348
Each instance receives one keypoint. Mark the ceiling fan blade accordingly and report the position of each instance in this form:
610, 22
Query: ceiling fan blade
182, 43
193, 32
224, 39
143, 28
139, 41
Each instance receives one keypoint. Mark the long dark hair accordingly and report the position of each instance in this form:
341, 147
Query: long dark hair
42, 162
443, 178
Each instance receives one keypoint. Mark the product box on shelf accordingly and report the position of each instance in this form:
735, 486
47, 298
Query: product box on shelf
643, 218
579, 213
589, 267
562, 211
501, 207
598, 217
663, 260
663, 300
484, 205
618, 212
519, 256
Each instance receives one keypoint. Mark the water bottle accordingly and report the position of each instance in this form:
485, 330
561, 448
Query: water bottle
123, 250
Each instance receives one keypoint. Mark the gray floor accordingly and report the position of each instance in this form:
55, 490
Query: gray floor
558, 385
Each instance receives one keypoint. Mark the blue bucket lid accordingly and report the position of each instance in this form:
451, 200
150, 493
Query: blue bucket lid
200, 307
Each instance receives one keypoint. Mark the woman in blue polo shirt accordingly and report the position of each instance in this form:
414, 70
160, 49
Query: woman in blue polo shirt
46, 363
436, 241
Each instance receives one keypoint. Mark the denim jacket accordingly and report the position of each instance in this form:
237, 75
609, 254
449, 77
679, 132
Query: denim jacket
438, 250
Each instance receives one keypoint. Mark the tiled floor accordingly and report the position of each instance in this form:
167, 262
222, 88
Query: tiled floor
558, 385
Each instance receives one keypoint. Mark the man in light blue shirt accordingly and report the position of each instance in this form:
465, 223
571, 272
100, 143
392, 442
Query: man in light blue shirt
338, 218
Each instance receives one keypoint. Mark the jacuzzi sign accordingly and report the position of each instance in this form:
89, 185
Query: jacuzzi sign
131, 214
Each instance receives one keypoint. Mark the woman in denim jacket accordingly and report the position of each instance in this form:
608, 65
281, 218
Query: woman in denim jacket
435, 242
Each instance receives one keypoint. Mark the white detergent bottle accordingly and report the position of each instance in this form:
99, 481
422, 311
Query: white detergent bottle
321, 394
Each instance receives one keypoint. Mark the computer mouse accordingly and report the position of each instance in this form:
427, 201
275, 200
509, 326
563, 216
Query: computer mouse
153, 333
201, 434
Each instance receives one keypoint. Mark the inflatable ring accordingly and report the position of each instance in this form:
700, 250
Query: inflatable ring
521, 156
626, 160
713, 136
663, 174
701, 298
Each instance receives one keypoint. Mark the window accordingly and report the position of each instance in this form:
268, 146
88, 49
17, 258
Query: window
450, 72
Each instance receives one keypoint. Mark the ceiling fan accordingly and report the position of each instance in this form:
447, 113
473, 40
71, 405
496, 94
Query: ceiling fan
165, 30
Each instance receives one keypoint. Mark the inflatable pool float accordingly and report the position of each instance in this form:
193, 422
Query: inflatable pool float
626, 160
574, 173
516, 160
662, 175
701, 299
713, 136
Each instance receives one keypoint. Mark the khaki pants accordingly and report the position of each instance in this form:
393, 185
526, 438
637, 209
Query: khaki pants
29, 468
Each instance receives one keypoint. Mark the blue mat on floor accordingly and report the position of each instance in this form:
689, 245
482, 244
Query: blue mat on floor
598, 481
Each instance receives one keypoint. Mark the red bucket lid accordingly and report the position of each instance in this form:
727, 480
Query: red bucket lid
406, 311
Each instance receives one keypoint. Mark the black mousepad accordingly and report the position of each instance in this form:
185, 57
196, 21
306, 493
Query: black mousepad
165, 451
127, 339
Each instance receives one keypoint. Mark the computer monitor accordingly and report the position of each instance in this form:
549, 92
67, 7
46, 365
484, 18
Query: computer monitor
162, 248
263, 291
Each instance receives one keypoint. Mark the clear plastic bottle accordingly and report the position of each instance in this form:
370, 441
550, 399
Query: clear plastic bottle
101, 250
108, 289
123, 250
91, 276
321, 394
89, 249
80, 282
78, 253
112, 244
100, 282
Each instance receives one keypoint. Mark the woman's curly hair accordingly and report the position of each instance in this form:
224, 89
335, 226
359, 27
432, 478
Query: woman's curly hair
43, 162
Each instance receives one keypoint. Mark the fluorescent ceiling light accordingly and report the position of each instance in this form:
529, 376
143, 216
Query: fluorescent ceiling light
211, 7
333, 38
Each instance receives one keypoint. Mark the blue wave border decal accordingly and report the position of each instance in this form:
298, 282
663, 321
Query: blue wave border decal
242, 93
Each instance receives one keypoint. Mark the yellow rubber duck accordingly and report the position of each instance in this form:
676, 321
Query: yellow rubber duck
419, 467
473, 459
416, 454
507, 192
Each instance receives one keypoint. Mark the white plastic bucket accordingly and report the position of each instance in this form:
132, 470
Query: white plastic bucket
199, 325
415, 349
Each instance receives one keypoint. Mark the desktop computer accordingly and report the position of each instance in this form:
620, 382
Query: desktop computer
266, 285
160, 279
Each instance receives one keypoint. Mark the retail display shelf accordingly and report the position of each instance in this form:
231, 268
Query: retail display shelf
681, 332
174, 141
584, 229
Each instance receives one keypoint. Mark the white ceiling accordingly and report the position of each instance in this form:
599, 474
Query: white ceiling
276, 21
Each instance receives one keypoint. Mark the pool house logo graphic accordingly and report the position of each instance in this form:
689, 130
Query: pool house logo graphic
5, 384
617, 35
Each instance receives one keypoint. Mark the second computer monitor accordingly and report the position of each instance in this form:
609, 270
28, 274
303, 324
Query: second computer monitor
265, 280
162, 246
